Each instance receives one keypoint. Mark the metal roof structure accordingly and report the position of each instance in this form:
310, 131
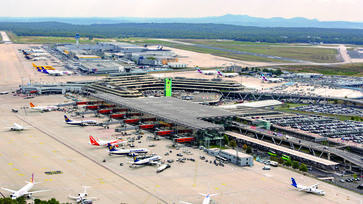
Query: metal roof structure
181, 112
284, 149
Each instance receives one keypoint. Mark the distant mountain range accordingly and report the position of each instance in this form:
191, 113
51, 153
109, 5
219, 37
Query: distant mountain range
241, 20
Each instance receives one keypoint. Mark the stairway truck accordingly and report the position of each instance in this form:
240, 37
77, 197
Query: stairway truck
162, 168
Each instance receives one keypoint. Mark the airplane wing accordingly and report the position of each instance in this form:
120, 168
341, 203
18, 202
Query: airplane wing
73, 197
9, 190
37, 191
314, 186
183, 202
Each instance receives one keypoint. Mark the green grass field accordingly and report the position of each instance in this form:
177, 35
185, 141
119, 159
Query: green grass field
355, 69
294, 51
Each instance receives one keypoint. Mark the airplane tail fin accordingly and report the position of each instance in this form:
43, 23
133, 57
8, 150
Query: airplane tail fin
67, 119
219, 72
110, 147
134, 157
32, 179
35, 66
32, 105
45, 71
199, 70
294, 182
93, 141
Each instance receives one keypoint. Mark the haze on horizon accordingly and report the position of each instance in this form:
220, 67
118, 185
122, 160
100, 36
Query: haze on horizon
323, 10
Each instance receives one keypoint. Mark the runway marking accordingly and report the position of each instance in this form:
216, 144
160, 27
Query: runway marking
25, 154
54, 151
69, 161
15, 169
21, 174
44, 168
151, 193
195, 174
263, 179
35, 156
29, 136
41, 143
9, 142
10, 164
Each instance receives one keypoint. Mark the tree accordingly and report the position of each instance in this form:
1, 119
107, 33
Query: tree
288, 163
244, 146
233, 144
280, 160
226, 139
295, 164
324, 142
249, 150
355, 176
303, 167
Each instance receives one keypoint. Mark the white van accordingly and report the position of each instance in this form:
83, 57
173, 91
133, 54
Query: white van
266, 168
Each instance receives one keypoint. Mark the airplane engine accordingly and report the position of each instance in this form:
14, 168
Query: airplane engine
29, 196
12, 129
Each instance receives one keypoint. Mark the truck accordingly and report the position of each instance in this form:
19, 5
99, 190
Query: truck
162, 168
274, 164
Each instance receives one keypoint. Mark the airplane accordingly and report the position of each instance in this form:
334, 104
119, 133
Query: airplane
45, 67
52, 72
39, 58
43, 108
79, 122
206, 72
206, 200
113, 150
227, 74
95, 142
308, 189
151, 160
82, 196
18, 127
24, 191
272, 80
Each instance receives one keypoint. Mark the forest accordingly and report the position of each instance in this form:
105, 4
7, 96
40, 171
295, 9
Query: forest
188, 31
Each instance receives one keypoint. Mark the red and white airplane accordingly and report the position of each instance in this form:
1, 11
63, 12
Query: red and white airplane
95, 142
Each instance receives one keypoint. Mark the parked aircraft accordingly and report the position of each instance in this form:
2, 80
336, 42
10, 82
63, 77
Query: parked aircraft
206, 200
227, 74
272, 80
207, 72
45, 67
79, 122
93, 141
113, 150
148, 161
43, 108
308, 189
82, 196
18, 127
39, 58
51, 72
24, 191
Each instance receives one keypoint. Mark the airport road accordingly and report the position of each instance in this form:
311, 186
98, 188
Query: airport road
35, 151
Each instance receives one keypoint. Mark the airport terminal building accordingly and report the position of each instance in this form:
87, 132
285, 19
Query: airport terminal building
232, 156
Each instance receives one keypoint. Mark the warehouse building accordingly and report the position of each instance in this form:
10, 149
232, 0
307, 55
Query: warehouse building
232, 156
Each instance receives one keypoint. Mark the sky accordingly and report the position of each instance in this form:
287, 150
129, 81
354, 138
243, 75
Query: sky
323, 10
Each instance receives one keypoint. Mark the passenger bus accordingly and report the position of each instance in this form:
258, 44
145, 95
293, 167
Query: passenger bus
272, 153
285, 157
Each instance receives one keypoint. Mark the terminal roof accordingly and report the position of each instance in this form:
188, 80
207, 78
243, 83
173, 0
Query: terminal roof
171, 109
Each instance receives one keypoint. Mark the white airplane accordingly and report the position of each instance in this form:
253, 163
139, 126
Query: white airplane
113, 150
227, 74
43, 108
79, 122
24, 191
152, 161
95, 142
39, 58
272, 80
207, 72
51, 72
18, 127
82, 196
308, 189
206, 200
